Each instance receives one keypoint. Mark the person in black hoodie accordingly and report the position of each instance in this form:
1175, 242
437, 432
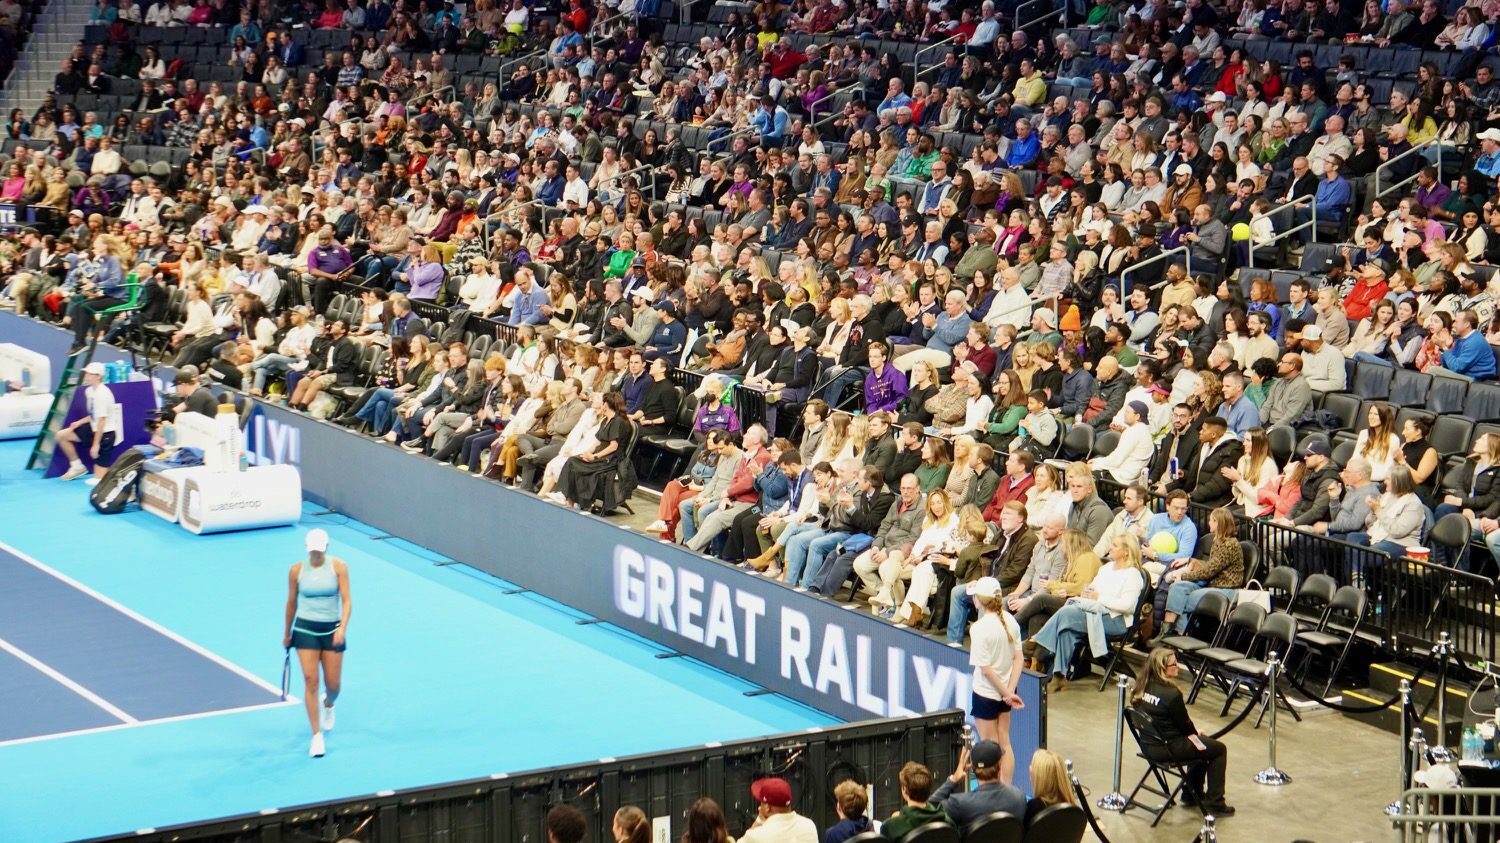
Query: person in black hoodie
1217, 450
791, 379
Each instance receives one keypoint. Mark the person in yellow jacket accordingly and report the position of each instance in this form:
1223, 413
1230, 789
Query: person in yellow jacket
1031, 88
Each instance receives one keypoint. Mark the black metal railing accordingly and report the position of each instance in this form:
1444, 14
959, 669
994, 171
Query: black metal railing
512, 808
1412, 602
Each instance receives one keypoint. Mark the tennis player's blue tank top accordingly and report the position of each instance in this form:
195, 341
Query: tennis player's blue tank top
318, 592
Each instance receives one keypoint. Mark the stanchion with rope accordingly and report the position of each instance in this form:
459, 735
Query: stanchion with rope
1403, 769
1083, 802
1271, 776
1207, 834
1362, 709
1440, 752
1115, 800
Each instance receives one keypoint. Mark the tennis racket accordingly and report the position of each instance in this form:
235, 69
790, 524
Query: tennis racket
286, 673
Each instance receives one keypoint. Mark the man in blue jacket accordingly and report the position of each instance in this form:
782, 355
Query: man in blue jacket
1466, 354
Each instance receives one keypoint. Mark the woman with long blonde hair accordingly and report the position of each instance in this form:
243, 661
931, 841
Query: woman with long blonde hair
939, 543
1111, 599
1254, 476
1050, 784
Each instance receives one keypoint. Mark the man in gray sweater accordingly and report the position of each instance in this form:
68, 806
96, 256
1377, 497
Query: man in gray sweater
898, 531
1207, 241
1290, 395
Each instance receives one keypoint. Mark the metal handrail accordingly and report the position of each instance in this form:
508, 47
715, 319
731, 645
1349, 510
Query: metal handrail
420, 97
501, 73
812, 110
619, 179
682, 10
1188, 255
1291, 204
1060, 9
1378, 192
485, 233
916, 59
748, 130
1422, 808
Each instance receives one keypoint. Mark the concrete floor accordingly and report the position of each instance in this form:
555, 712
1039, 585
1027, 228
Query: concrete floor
1343, 772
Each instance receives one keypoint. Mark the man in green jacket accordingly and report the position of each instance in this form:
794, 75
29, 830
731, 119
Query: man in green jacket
916, 789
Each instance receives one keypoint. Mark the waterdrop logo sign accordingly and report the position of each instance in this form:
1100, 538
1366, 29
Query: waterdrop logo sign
271, 442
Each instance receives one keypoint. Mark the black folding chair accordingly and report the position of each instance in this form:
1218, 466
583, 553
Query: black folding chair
1162, 778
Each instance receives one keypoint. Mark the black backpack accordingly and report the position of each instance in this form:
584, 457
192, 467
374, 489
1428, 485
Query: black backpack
120, 485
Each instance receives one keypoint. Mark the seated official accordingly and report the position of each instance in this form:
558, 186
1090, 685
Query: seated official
1171, 735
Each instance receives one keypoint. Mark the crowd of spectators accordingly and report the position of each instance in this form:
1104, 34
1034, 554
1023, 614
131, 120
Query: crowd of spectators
927, 284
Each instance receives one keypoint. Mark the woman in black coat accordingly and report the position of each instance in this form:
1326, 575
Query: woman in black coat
1168, 733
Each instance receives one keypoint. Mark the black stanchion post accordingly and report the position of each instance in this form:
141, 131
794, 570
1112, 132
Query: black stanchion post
1440, 752
1271, 775
1404, 769
1115, 800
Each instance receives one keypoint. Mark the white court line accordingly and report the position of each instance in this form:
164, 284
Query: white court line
113, 710
147, 622
290, 700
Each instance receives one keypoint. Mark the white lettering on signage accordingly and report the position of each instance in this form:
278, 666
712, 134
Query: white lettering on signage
273, 442
717, 615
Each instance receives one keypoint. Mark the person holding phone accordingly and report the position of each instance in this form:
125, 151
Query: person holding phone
318, 606
1171, 736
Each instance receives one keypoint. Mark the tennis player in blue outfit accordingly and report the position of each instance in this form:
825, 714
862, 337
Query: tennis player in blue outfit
317, 620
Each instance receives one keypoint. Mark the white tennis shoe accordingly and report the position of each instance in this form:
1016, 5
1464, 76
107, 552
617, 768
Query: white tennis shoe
316, 749
326, 720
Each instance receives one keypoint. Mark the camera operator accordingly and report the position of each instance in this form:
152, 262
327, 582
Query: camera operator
191, 395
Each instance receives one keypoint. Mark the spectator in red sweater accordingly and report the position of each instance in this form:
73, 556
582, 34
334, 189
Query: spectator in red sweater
1369, 288
1014, 486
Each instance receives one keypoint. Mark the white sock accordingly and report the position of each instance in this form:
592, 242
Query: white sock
75, 464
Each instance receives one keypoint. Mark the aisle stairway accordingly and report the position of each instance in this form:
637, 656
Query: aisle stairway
58, 28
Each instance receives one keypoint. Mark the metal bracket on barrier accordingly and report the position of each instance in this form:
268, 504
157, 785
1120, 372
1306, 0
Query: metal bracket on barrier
383, 538
758, 692
515, 591
325, 512
446, 562
672, 655
587, 622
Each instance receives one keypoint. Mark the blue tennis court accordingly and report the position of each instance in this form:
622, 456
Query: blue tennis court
74, 660
140, 671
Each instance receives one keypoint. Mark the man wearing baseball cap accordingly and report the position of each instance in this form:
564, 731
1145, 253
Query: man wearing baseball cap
776, 821
101, 427
965, 806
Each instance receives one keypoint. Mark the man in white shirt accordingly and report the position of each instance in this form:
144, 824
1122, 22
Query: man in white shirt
101, 427
1134, 449
1012, 305
263, 282
1322, 364
575, 193
140, 209
776, 822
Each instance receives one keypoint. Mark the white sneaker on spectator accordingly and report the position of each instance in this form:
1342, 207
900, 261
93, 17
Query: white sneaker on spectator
557, 497
326, 720
656, 526
75, 472
315, 750
91, 482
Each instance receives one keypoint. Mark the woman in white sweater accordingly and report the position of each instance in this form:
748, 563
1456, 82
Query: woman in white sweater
1134, 449
1111, 597
1379, 442
1047, 496
198, 318
1254, 477
939, 538
1396, 518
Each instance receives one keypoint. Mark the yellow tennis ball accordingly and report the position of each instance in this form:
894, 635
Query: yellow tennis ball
1164, 542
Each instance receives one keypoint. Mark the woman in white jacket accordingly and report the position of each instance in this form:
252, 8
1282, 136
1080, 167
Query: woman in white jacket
1254, 476
1396, 518
1378, 443
1134, 449
1047, 497
939, 536
1111, 597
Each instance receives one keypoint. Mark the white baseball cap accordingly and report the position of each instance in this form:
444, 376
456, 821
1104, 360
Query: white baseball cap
94, 368
1490, 135
984, 587
317, 541
1183, 170
1312, 332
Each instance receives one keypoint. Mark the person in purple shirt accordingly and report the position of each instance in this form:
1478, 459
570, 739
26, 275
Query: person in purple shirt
1431, 193
527, 307
426, 274
329, 263
885, 387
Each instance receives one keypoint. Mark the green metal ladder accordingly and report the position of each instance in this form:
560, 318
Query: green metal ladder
62, 398
72, 378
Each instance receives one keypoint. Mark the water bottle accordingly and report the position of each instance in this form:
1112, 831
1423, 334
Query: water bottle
1466, 751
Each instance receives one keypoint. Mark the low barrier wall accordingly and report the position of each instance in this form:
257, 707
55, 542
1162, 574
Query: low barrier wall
512, 808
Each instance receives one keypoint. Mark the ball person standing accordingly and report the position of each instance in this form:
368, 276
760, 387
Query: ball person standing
317, 619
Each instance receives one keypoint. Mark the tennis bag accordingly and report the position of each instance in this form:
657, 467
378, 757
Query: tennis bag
120, 485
